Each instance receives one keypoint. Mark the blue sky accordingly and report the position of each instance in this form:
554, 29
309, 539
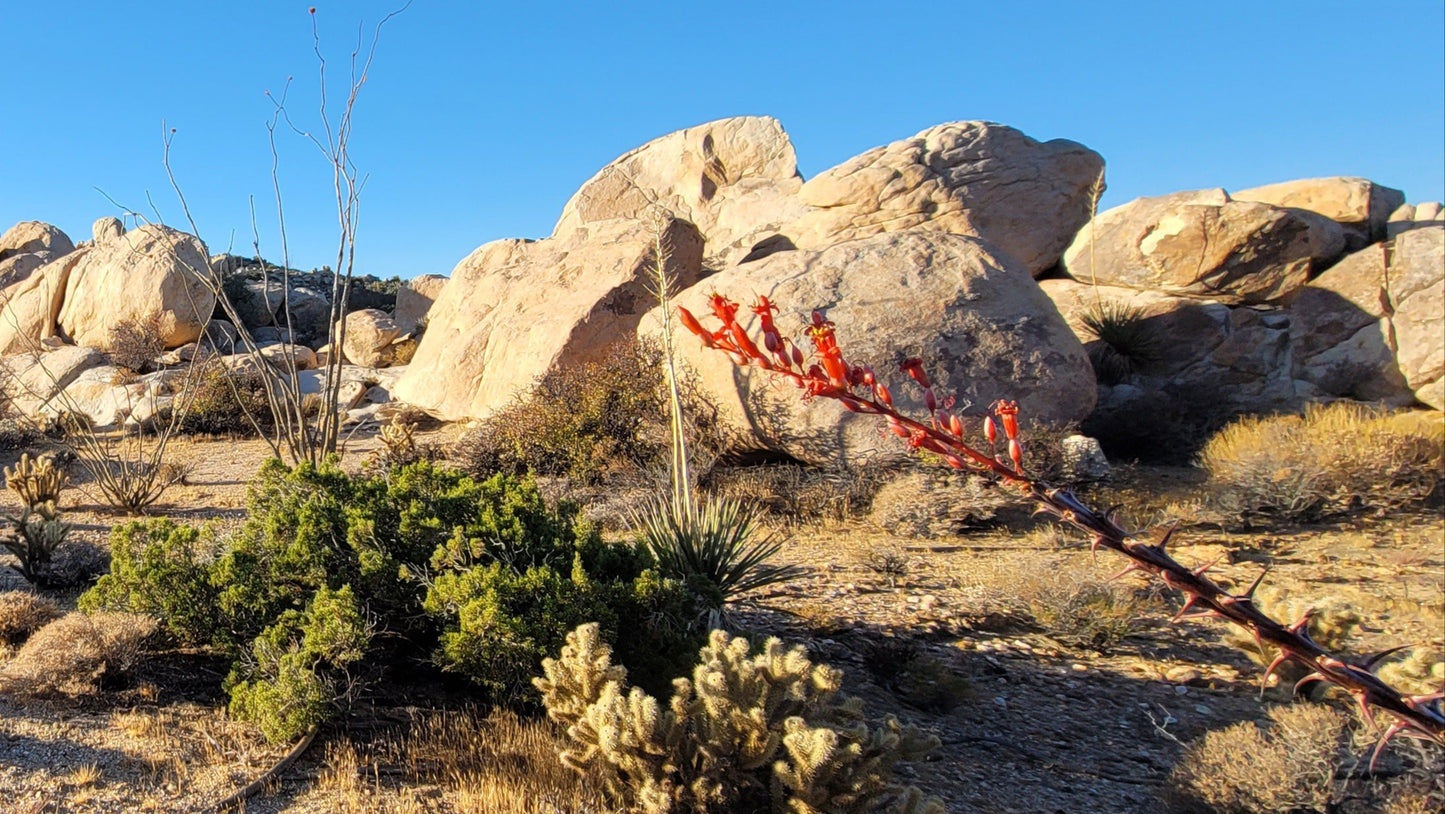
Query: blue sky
479, 120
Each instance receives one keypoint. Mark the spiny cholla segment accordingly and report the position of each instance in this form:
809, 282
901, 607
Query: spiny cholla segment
858, 389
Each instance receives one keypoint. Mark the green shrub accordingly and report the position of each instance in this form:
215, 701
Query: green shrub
298, 666
220, 401
160, 568
482, 576
1334, 458
591, 422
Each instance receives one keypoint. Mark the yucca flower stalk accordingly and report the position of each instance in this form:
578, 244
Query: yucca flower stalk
858, 389
714, 545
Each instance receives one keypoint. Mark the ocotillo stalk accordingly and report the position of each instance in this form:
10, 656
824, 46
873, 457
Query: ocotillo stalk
858, 389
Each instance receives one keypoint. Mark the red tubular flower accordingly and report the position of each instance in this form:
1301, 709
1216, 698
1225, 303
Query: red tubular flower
828, 352
690, 322
723, 308
914, 368
1008, 412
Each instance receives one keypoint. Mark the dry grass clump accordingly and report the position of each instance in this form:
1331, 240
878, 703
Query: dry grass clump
935, 504
1334, 458
76, 655
497, 764
1067, 602
796, 495
22, 613
1288, 766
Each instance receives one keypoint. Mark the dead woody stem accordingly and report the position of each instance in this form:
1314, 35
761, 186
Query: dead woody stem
857, 388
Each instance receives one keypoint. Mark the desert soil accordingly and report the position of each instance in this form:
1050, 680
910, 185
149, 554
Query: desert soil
1030, 722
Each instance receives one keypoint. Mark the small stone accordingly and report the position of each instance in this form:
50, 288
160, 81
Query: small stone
1181, 690
1203, 710
1078, 668
1182, 674
1000, 701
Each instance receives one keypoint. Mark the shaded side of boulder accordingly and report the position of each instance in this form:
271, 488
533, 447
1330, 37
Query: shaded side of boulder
149, 270
516, 309
30, 306
415, 299
975, 315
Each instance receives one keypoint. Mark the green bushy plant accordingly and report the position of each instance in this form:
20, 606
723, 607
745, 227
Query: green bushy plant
1125, 340
159, 568
482, 576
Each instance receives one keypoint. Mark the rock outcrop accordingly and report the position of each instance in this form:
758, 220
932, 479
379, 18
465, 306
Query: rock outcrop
148, 270
514, 309
369, 333
106, 229
969, 178
30, 306
1204, 244
30, 236
1417, 302
1359, 205
415, 299
975, 315
735, 179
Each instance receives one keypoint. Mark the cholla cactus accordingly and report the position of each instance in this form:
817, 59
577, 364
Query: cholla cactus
398, 446
35, 480
859, 390
746, 731
38, 532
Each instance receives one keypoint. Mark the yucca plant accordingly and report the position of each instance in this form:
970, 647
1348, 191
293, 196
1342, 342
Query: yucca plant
716, 546
713, 545
1127, 341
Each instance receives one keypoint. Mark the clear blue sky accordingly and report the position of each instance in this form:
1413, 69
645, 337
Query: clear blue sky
481, 119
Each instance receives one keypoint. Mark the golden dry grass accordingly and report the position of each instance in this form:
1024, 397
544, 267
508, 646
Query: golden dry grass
1334, 457
76, 655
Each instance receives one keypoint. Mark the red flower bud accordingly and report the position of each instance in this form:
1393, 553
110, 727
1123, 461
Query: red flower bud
914, 368
955, 426
881, 391
990, 430
1016, 452
929, 400
690, 322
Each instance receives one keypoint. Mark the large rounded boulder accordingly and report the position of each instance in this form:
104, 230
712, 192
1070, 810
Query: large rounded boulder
736, 179
1027, 198
30, 236
151, 269
974, 314
1359, 205
1205, 244
515, 309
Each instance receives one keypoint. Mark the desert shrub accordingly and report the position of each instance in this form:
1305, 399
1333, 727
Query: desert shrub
22, 613
298, 666
16, 434
591, 422
135, 342
483, 577
221, 401
1333, 458
1421, 671
77, 654
161, 569
1125, 341
1287, 766
37, 532
1067, 604
749, 732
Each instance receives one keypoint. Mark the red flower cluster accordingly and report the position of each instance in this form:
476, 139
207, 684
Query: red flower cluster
859, 390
